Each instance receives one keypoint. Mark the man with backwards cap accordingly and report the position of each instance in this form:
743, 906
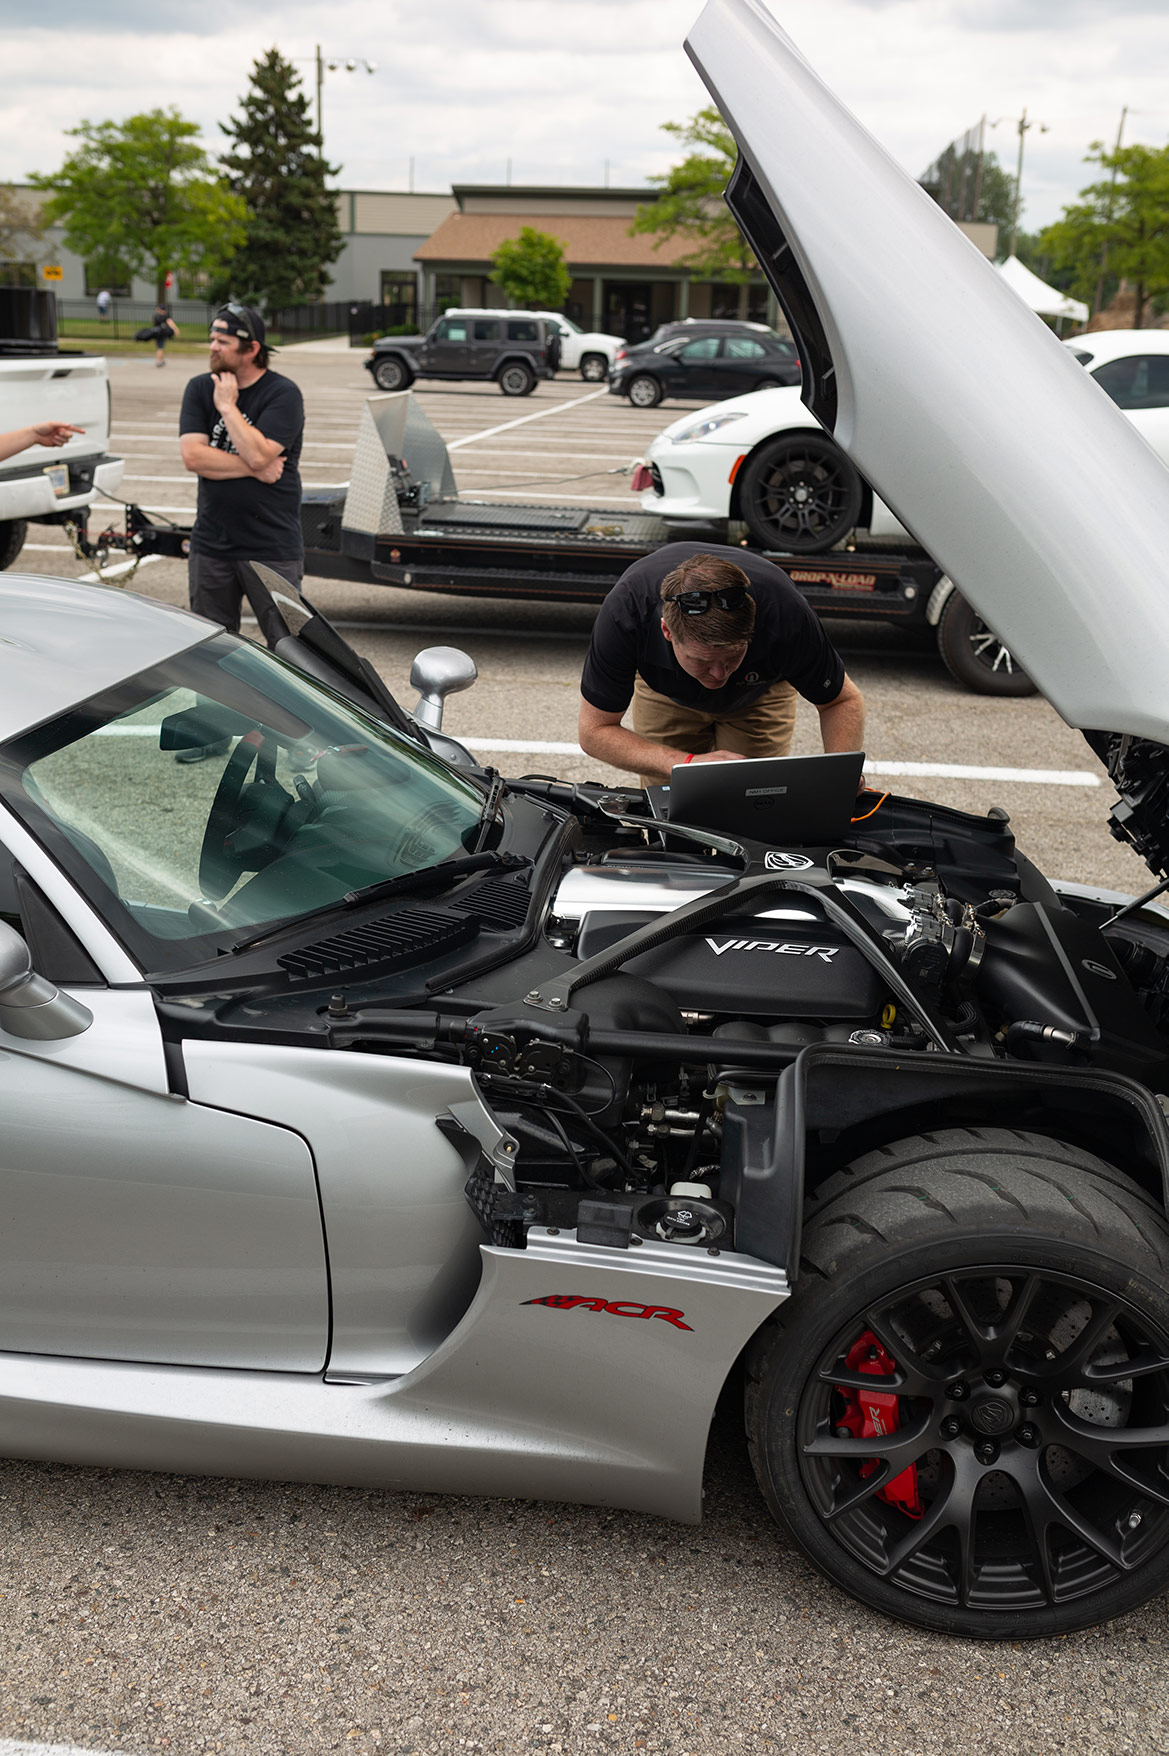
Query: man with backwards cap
240, 432
712, 645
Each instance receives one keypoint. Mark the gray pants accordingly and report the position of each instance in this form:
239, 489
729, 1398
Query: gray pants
218, 585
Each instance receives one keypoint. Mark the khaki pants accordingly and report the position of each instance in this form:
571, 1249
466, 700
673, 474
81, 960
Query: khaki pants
763, 729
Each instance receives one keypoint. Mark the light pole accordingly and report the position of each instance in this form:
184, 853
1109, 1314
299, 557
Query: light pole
332, 62
1022, 126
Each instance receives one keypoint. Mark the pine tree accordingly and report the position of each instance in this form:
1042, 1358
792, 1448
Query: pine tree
275, 163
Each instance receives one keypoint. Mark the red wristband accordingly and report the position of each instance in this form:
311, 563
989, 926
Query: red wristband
689, 758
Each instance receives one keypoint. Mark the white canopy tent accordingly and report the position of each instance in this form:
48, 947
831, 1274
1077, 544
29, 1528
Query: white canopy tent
1047, 301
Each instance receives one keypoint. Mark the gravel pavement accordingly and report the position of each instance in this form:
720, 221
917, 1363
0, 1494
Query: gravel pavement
142, 1613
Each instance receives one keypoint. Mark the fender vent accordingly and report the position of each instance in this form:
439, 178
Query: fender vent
500, 905
414, 936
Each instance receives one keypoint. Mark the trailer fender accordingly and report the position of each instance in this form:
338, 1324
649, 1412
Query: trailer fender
939, 597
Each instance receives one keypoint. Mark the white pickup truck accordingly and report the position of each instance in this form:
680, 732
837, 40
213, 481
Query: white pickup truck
40, 383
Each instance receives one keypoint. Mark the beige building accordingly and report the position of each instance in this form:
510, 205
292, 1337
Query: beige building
624, 284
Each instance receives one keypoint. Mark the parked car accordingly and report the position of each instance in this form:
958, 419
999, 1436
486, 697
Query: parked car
513, 349
434, 1147
38, 382
711, 326
1132, 367
707, 360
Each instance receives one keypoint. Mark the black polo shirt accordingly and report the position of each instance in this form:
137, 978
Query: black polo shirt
788, 643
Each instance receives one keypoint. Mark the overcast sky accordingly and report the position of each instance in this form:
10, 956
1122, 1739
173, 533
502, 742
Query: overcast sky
561, 86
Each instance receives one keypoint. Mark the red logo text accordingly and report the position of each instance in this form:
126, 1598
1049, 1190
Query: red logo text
615, 1307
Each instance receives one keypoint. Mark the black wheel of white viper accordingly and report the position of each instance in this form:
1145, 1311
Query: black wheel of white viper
976, 657
12, 534
392, 374
799, 493
645, 391
594, 368
516, 379
962, 1413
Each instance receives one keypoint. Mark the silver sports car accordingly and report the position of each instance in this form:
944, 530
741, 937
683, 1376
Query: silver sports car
370, 1119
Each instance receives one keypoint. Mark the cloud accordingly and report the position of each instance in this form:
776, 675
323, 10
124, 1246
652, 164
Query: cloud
463, 86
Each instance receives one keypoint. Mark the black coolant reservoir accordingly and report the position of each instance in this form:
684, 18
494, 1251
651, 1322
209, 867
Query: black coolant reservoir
1049, 965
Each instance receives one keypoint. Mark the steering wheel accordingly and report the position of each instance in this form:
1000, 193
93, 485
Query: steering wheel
249, 822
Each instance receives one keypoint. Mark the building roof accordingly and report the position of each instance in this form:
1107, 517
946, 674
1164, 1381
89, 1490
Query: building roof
589, 240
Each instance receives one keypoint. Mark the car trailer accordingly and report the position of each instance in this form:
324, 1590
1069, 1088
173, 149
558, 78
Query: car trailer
400, 520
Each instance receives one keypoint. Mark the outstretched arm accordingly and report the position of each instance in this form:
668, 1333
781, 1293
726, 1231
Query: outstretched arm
50, 433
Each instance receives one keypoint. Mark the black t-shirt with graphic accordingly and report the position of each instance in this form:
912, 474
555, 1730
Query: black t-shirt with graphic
243, 517
788, 642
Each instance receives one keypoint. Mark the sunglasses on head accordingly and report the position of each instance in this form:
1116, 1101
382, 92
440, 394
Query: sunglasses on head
247, 333
697, 603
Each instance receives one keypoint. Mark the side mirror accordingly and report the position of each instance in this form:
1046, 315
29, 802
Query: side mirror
439, 671
29, 1005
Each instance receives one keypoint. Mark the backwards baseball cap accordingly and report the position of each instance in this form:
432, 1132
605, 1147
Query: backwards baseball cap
243, 321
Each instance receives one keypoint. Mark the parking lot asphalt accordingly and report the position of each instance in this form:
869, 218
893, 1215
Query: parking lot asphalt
142, 1613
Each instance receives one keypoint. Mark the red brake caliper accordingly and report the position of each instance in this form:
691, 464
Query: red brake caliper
872, 1414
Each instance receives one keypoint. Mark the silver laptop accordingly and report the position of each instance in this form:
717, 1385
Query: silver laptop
787, 799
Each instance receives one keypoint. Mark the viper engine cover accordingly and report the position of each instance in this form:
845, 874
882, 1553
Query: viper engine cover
748, 967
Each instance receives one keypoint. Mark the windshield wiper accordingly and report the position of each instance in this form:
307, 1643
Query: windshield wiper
442, 876
490, 807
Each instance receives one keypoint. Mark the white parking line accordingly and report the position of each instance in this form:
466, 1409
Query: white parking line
557, 408
12, 1747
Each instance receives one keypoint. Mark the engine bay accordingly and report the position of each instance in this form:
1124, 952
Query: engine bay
646, 1057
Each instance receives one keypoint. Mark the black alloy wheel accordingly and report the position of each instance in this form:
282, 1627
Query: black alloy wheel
594, 368
644, 391
962, 1414
392, 373
516, 379
799, 493
12, 534
975, 656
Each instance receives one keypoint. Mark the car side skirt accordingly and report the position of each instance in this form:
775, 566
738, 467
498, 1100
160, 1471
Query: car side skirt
580, 1373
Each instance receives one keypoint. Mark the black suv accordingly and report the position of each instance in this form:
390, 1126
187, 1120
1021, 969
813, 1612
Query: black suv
703, 361
515, 351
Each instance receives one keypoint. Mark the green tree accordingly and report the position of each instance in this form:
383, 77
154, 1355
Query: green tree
275, 166
144, 193
971, 185
531, 270
690, 205
1118, 229
21, 227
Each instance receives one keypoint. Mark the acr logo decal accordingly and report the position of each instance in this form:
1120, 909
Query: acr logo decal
824, 952
1098, 969
775, 861
614, 1307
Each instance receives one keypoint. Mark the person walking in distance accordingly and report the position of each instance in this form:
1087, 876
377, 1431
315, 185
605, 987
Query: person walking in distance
164, 327
240, 431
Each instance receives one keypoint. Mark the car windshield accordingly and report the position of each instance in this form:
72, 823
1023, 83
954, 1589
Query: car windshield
294, 799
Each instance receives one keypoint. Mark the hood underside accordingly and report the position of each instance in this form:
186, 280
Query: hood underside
984, 434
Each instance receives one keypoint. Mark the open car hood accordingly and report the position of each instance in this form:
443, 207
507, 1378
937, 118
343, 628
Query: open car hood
984, 434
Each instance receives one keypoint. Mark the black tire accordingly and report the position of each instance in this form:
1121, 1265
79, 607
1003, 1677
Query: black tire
645, 391
392, 373
800, 494
12, 534
974, 656
991, 1287
516, 379
594, 368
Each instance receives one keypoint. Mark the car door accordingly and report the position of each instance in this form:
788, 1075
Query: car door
447, 351
139, 1225
484, 346
744, 365
697, 368
1139, 384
